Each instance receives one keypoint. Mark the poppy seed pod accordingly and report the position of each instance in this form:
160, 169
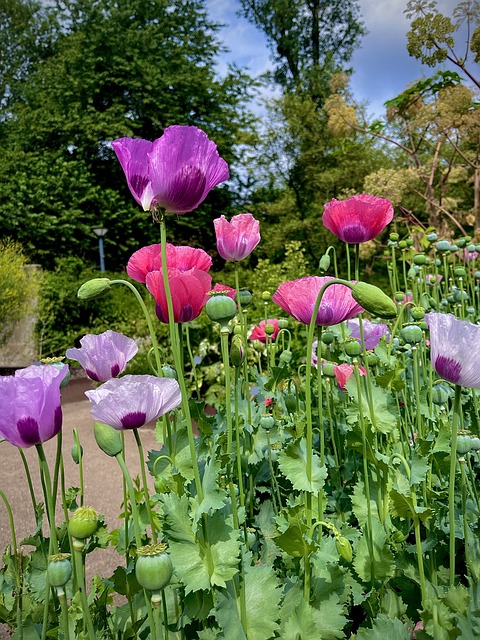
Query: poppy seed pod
220, 308
83, 523
154, 568
412, 334
59, 569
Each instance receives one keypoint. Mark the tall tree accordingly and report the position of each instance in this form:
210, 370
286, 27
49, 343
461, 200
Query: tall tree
310, 39
92, 71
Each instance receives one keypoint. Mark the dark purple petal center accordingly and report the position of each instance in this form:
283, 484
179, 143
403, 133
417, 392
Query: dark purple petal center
92, 375
134, 420
115, 370
28, 430
448, 369
353, 233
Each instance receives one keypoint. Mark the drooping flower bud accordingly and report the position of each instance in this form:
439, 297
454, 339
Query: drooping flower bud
324, 262
344, 548
285, 357
77, 453
108, 439
95, 288
372, 299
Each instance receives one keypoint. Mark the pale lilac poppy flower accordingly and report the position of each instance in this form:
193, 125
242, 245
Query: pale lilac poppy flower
372, 332
176, 172
357, 219
132, 154
298, 297
183, 258
238, 238
132, 401
453, 347
104, 356
30, 411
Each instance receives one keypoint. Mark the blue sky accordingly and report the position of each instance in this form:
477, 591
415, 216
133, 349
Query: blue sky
383, 68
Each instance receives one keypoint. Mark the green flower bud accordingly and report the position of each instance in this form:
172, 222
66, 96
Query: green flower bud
154, 568
59, 569
344, 548
283, 323
83, 523
412, 273
352, 347
412, 334
266, 296
324, 263
440, 394
285, 357
220, 308
77, 453
290, 402
372, 299
245, 298
459, 295
327, 337
108, 439
237, 351
95, 288
329, 369
169, 372
161, 484
476, 275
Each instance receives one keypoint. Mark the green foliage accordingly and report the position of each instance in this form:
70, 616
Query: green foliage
18, 287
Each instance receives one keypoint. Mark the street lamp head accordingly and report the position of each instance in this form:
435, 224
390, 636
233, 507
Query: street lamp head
100, 231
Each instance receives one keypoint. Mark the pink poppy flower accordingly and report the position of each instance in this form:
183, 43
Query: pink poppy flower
30, 411
224, 288
469, 256
104, 356
176, 172
432, 279
298, 297
183, 258
357, 219
238, 238
344, 371
258, 332
189, 291
132, 401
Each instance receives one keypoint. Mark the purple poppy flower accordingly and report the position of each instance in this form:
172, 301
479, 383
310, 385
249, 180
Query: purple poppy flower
132, 401
372, 332
176, 172
104, 356
298, 297
453, 345
30, 411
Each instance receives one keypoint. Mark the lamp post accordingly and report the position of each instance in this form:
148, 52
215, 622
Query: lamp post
100, 232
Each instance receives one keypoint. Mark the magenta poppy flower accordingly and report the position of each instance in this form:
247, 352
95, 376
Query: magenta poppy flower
132, 401
189, 291
182, 258
343, 373
104, 356
357, 219
224, 288
259, 334
454, 344
372, 332
469, 256
132, 154
30, 411
238, 238
298, 298
176, 172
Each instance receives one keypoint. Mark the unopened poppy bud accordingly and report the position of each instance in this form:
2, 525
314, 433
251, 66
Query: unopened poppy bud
108, 439
169, 372
459, 295
412, 334
220, 308
327, 337
285, 357
344, 548
95, 288
245, 297
329, 369
59, 569
266, 296
83, 523
291, 402
77, 453
237, 351
161, 484
372, 299
324, 262
238, 330
440, 394
269, 329
352, 347
282, 323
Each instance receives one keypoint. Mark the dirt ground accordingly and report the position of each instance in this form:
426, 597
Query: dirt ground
102, 476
